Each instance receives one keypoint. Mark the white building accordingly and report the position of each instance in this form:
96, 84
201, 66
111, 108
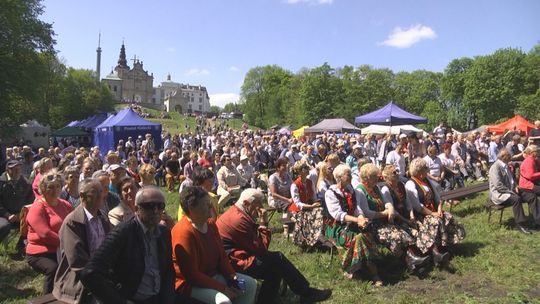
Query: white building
196, 96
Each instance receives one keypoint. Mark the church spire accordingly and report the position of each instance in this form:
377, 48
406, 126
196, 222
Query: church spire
122, 62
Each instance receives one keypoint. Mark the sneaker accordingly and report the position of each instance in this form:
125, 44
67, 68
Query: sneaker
316, 295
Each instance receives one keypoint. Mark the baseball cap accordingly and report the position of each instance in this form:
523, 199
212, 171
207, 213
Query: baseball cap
357, 146
13, 163
402, 136
243, 157
114, 167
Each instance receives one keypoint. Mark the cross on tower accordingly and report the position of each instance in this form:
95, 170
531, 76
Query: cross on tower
134, 59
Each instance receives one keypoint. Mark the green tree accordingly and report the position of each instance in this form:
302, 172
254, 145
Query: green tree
494, 84
23, 38
263, 92
459, 115
215, 109
321, 94
416, 90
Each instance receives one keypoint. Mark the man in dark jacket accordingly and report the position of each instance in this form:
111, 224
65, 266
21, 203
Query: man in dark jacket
15, 192
134, 262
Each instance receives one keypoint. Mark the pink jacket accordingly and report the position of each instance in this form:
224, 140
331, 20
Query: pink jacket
44, 222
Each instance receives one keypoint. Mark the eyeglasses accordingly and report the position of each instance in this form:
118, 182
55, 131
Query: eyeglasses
152, 205
54, 177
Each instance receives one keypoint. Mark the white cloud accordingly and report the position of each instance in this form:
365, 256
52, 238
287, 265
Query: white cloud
171, 49
234, 68
221, 99
404, 38
311, 2
197, 72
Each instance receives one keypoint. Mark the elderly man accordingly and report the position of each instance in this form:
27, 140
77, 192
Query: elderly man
134, 262
534, 134
352, 159
81, 234
15, 192
116, 173
503, 189
246, 239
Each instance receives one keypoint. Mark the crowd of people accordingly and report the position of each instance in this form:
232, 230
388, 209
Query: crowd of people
97, 229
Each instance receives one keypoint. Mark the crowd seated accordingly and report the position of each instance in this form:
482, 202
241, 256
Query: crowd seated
98, 231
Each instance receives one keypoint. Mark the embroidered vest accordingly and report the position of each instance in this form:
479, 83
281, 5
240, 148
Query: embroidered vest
375, 202
305, 191
426, 197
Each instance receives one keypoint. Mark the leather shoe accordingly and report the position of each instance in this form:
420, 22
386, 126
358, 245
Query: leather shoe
523, 229
440, 259
316, 295
413, 261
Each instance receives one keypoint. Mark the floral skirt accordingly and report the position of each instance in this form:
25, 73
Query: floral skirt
354, 247
393, 237
308, 226
437, 231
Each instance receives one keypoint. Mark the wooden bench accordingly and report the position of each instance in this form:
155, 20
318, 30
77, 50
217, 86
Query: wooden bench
44, 299
490, 206
464, 192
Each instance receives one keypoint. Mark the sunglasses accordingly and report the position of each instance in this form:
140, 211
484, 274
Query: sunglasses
54, 177
152, 205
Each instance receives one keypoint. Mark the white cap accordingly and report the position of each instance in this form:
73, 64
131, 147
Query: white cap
402, 136
243, 157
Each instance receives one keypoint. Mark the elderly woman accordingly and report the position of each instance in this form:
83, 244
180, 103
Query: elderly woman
437, 229
42, 167
131, 168
127, 187
529, 181
307, 214
44, 219
279, 186
355, 246
203, 270
229, 181
70, 192
381, 214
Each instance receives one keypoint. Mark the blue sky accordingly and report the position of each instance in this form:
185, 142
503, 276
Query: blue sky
215, 42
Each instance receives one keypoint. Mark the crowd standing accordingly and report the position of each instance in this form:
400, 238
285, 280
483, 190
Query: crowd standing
94, 222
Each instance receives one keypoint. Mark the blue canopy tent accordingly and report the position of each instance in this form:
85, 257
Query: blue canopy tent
122, 125
390, 114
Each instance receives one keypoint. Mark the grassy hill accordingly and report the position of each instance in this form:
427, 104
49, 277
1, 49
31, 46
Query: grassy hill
178, 122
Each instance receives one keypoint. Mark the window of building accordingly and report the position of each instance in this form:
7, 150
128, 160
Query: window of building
200, 108
192, 99
115, 88
200, 99
189, 106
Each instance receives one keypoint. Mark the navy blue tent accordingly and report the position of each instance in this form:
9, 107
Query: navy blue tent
122, 125
390, 114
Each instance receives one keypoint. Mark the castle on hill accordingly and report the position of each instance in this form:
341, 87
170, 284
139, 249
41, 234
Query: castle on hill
134, 84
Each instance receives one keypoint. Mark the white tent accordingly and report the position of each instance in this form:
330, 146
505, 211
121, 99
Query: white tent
35, 134
380, 129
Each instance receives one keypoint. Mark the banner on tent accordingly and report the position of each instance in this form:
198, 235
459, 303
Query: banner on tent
136, 128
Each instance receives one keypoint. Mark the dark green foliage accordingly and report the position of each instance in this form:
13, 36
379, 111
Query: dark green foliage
469, 93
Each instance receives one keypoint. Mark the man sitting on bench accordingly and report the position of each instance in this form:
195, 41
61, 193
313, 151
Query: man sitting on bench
246, 243
503, 189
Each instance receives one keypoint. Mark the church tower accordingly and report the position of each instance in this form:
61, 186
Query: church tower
98, 59
122, 66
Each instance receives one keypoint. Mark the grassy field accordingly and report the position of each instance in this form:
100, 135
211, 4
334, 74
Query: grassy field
177, 123
492, 265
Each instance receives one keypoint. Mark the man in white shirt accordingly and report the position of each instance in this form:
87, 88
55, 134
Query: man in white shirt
397, 159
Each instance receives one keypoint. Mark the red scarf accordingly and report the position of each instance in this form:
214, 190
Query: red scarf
429, 196
349, 199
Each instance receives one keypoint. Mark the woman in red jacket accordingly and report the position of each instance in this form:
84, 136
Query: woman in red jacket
44, 220
203, 271
529, 181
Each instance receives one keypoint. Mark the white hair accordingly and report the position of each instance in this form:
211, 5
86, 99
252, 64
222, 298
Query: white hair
139, 197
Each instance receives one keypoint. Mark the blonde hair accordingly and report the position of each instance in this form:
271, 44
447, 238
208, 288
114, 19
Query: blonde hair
324, 174
369, 172
531, 149
389, 172
417, 166
50, 178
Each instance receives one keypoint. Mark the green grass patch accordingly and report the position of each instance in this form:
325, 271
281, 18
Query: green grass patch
492, 265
